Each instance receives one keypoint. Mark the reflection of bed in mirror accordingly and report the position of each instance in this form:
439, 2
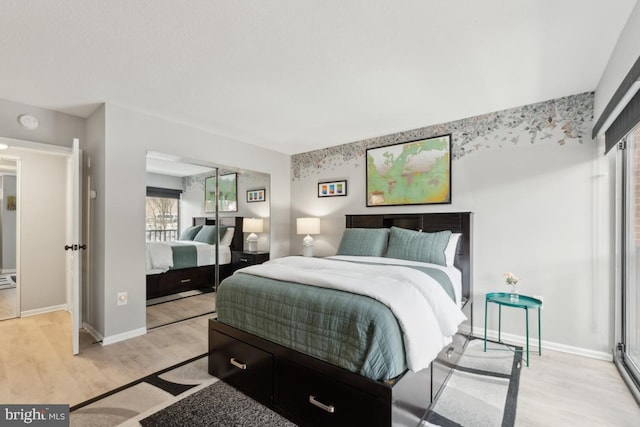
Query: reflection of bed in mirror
315, 351
189, 263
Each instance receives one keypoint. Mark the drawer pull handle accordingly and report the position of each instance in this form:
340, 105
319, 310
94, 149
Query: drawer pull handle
185, 280
328, 408
450, 351
244, 259
237, 364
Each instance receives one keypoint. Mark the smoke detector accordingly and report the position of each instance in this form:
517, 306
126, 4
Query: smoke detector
28, 121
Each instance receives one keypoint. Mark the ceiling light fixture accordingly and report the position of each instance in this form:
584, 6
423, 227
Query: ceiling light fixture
28, 121
3, 147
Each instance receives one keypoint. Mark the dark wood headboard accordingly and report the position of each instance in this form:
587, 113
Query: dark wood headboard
457, 222
237, 244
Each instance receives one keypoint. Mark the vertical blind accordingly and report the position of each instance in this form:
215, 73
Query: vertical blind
628, 118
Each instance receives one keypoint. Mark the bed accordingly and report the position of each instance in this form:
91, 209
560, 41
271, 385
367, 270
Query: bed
189, 263
337, 384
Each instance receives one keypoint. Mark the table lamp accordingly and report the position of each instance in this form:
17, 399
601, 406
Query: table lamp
253, 226
308, 226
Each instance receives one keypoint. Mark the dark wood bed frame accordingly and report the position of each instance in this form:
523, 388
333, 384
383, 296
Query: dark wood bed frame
312, 392
203, 277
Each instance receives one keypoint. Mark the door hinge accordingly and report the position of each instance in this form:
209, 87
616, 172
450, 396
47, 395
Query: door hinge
620, 347
622, 145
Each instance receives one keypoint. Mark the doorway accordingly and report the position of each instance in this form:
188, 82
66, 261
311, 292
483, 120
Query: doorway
41, 210
9, 289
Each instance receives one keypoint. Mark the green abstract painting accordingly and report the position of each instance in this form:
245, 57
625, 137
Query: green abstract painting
410, 173
228, 200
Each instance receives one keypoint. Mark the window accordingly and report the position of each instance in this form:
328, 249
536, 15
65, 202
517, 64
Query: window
163, 214
631, 250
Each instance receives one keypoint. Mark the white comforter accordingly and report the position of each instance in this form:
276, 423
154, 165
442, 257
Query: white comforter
426, 314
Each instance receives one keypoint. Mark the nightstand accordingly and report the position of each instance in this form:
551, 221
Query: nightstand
245, 259
517, 301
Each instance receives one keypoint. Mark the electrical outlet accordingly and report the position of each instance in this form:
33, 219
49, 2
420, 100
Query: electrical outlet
541, 299
123, 298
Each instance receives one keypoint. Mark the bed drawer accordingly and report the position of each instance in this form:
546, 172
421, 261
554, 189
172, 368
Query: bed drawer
323, 401
241, 365
186, 279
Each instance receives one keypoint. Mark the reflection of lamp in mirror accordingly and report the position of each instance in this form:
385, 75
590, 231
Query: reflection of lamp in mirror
253, 226
308, 226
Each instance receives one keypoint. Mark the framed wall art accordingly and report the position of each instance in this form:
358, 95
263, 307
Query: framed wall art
332, 188
228, 200
410, 173
256, 195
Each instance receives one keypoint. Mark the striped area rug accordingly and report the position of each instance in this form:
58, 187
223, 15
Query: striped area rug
482, 390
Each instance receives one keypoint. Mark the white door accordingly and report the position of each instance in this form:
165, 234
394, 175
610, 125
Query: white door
74, 248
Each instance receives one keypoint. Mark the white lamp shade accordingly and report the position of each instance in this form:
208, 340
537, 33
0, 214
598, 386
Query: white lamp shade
308, 225
252, 225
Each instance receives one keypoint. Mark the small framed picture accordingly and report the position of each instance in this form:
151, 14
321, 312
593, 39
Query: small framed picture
332, 188
259, 195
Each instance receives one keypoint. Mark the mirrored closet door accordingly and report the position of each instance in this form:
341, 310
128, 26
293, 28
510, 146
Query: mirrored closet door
199, 217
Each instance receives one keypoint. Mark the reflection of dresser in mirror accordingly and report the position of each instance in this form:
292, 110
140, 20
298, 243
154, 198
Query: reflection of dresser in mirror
8, 235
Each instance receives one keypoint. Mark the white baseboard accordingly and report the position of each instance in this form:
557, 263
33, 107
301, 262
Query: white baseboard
124, 336
95, 334
43, 310
549, 345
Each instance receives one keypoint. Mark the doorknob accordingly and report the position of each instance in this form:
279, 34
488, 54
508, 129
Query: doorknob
74, 247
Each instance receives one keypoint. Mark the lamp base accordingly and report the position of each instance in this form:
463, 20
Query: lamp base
307, 243
252, 242
307, 251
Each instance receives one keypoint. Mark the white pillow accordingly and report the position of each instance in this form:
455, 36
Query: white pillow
450, 250
228, 237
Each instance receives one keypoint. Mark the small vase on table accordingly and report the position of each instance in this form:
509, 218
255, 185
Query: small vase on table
511, 280
514, 294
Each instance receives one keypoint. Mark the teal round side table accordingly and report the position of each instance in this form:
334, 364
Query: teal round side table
520, 301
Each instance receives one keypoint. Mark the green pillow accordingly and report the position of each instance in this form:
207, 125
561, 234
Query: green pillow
208, 234
190, 232
363, 241
417, 246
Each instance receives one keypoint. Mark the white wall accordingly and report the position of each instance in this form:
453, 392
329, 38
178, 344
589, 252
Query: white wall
128, 137
164, 181
94, 222
55, 128
531, 195
625, 54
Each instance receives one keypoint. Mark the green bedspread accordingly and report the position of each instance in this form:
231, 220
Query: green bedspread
184, 255
352, 331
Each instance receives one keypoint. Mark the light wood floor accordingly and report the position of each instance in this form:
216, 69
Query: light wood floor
8, 306
560, 389
185, 308
37, 367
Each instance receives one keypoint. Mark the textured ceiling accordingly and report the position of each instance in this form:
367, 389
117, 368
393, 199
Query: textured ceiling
295, 75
